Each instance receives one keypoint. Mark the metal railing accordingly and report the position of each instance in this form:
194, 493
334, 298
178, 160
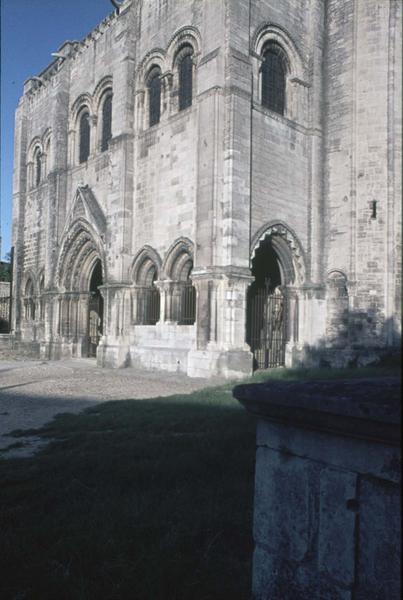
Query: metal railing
148, 306
266, 328
187, 305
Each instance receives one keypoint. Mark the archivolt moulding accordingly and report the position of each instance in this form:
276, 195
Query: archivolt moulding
267, 32
102, 86
288, 247
182, 246
184, 36
78, 242
147, 253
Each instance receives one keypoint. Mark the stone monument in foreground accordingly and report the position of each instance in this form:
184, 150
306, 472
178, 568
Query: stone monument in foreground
327, 489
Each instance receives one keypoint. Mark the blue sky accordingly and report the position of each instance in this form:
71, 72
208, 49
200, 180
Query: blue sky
30, 31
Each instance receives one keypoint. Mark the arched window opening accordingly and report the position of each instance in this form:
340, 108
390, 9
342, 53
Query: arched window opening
148, 295
29, 301
187, 313
266, 324
154, 96
84, 148
185, 70
183, 296
273, 77
38, 166
106, 122
47, 157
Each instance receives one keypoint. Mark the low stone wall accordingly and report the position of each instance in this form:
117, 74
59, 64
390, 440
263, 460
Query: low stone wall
6, 342
327, 493
4, 289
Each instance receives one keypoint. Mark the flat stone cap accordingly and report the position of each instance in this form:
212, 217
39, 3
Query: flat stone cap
364, 408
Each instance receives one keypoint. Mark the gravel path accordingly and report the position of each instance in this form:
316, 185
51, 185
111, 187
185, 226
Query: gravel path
33, 392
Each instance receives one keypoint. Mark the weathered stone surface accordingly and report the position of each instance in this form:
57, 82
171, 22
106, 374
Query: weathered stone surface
284, 519
327, 494
379, 562
317, 184
337, 530
360, 407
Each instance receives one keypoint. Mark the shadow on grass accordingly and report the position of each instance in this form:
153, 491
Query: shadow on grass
133, 499
137, 499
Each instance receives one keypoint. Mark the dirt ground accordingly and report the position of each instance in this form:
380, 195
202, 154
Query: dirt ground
33, 392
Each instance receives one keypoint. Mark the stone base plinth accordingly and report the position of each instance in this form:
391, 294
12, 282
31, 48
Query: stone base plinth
113, 354
59, 349
232, 364
327, 489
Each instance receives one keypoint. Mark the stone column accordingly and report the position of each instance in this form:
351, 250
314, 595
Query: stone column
221, 268
114, 346
220, 324
327, 489
167, 292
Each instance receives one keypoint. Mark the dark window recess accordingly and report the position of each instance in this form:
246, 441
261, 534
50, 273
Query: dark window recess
373, 209
29, 302
148, 306
106, 123
84, 138
274, 70
187, 307
154, 92
38, 166
185, 81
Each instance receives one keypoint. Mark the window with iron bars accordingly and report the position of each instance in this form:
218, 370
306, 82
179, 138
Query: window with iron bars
187, 304
273, 73
148, 306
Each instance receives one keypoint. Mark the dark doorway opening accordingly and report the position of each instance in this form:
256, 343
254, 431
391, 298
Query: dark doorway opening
266, 306
95, 310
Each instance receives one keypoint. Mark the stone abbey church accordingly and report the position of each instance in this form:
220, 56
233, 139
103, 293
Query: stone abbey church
213, 186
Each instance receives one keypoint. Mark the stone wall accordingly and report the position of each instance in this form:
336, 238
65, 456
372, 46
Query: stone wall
362, 151
319, 182
327, 489
4, 289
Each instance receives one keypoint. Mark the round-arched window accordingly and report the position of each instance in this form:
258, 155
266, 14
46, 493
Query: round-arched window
273, 77
84, 148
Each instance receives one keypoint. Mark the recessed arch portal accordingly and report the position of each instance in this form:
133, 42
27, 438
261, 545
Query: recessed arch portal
272, 309
80, 273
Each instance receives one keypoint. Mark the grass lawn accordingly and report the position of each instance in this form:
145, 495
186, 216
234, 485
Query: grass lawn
138, 499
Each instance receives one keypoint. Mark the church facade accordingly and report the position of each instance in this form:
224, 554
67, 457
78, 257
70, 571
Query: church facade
212, 187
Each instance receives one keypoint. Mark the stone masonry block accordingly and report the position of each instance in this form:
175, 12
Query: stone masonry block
284, 519
337, 515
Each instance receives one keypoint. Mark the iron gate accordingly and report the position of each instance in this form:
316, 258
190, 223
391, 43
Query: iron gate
266, 327
95, 324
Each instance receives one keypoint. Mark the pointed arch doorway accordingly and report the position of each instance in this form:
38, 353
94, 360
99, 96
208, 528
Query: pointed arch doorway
272, 302
80, 274
266, 306
95, 309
